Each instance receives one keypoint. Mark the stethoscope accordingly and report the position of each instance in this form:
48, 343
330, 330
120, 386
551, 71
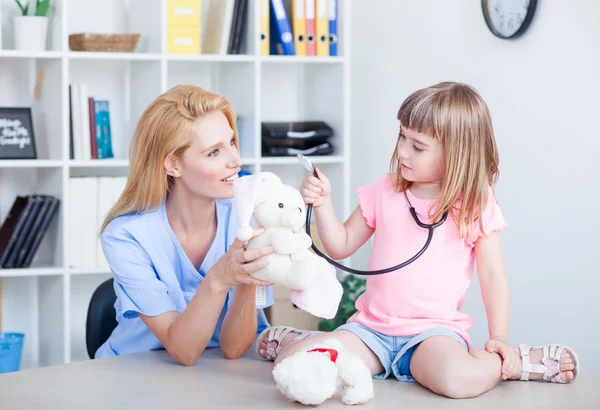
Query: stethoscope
307, 164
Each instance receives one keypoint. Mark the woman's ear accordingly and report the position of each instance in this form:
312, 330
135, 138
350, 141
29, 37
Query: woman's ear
172, 166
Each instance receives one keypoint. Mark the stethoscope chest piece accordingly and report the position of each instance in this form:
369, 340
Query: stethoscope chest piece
306, 164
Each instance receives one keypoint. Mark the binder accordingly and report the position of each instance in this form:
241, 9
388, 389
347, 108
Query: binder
46, 200
275, 47
322, 28
52, 208
234, 19
10, 229
25, 229
265, 41
332, 12
218, 27
299, 27
284, 30
309, 12
238, 28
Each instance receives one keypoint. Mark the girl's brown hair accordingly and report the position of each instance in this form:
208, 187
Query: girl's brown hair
457, 116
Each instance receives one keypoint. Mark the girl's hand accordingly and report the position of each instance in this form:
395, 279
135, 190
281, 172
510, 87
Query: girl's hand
234, 267
511, 360
315, 191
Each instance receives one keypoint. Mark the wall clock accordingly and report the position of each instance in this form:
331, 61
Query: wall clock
508, 18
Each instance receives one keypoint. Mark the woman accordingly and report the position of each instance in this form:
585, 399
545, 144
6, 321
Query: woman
181, 278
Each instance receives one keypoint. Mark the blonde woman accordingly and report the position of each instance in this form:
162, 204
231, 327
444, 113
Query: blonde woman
181, 277
408, 323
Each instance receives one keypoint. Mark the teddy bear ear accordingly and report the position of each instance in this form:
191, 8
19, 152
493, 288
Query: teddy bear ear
249, 192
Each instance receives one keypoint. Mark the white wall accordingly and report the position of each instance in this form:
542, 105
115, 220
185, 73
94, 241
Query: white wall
543, 92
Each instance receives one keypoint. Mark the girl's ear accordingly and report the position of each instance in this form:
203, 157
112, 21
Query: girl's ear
172, 166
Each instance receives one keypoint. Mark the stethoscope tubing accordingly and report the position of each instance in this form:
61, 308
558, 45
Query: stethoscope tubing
429, 227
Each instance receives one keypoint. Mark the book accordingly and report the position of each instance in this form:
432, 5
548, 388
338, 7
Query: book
24, 228
27, 224
103, 131
12, 226
28, 241
41, 231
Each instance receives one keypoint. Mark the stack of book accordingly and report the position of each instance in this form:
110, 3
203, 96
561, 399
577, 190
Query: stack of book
24, 228
90, 132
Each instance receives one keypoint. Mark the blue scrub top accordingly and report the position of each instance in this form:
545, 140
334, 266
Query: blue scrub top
153, 275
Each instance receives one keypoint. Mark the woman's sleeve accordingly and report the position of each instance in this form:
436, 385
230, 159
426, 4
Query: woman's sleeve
367, 200
492, 219
138, 288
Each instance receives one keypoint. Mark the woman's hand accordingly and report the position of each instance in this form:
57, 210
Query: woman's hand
234, 267
314, 190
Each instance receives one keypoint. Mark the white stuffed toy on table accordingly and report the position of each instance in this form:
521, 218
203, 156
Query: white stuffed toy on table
280, 210
319, 371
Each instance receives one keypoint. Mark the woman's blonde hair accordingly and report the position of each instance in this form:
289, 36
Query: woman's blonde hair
164, 129
457, 116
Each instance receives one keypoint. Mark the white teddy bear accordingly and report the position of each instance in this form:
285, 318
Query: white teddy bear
280, 210
316, 373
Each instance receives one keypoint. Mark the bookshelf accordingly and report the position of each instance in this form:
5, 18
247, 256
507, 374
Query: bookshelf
48, 301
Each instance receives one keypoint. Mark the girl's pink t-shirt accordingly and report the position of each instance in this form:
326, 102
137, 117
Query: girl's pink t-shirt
430, 291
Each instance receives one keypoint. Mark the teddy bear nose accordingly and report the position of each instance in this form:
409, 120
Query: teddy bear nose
300, 209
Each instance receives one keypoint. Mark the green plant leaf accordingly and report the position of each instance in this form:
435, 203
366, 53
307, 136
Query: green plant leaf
352, 287
41, 8
24, 9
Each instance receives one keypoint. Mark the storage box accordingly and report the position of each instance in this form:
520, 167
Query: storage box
184, 12
183, 39
291, 138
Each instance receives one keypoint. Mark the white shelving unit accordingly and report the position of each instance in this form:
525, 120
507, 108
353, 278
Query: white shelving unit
48, 301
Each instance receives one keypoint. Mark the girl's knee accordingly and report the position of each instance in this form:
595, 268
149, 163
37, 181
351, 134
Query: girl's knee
460, 383
460, 386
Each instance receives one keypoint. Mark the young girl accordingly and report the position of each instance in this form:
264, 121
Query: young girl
408, 322
181, 278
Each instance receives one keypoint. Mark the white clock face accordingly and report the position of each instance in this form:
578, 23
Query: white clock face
507, 16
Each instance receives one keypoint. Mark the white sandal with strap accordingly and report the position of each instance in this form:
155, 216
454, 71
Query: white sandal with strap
550, 366
276, 334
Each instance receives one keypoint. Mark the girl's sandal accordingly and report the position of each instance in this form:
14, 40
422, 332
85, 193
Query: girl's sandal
276, 334
550, 366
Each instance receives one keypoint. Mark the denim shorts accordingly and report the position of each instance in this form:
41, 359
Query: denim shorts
395, 352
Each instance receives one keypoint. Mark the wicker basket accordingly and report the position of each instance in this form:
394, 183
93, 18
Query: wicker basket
103, 42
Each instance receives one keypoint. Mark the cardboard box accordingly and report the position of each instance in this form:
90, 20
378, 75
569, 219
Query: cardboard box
183, 40
184, 13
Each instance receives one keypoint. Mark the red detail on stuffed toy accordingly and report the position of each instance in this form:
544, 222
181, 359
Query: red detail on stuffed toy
333, 354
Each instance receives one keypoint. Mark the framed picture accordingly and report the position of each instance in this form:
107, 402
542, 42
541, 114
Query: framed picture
17, 140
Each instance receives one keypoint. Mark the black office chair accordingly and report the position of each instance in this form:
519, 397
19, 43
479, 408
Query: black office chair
100, 317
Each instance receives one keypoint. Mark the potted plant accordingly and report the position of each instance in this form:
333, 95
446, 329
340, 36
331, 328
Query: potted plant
31, 30
353, 287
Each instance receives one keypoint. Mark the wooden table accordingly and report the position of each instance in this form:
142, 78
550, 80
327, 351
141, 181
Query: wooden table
153, 380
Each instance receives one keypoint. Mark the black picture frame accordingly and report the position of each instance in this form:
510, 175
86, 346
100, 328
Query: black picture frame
17, 137
531, 9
